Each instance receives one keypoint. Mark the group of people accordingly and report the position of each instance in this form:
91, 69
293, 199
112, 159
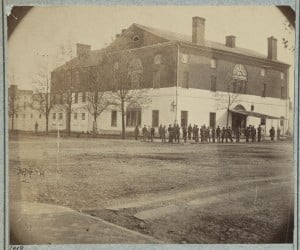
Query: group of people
204, 134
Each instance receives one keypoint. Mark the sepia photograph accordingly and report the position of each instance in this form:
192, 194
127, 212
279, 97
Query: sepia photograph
151, 124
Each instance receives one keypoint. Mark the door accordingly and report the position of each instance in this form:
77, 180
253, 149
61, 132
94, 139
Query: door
184, 118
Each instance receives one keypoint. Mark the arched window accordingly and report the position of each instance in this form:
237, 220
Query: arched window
135, 71
239, 72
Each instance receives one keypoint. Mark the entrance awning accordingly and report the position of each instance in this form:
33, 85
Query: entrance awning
254, 114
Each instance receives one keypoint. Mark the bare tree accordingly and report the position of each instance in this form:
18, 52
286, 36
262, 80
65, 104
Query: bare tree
230, 97
127, 84
98, 98
42, 96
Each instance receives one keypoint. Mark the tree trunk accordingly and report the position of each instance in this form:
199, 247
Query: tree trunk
47, 122
227, 119
95, 124
68, 123
12, 122
123, 118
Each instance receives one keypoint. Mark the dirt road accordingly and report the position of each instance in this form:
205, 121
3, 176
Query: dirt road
187, 193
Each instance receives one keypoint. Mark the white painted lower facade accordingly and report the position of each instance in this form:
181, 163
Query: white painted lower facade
169, 102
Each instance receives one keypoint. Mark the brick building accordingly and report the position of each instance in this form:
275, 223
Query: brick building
188, 78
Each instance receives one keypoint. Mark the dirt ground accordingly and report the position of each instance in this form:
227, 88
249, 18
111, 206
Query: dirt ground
186, 193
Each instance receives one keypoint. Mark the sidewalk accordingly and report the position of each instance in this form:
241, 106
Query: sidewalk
37, 223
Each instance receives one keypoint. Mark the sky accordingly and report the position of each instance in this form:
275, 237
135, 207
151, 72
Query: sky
44, 30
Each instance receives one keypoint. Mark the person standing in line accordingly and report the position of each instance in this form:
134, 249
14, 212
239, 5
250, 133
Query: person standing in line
149, 133
36, 127
278, 134
229, 134
272, 133
253, 133
170, 134
218, 132
196, 134
208, 134
223, 133
136, 132
144, 131
213, 134
247, 133
178, 133
163, 134
237, 134
201, 134
152, 133
190, 130
259, 133
160, 131
175, 132
184, 133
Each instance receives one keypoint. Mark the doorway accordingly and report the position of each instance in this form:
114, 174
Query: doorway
184, 118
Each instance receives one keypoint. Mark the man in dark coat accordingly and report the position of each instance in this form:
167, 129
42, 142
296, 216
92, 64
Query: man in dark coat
136, 132
223, 133
196, 134
247, 133
237, 134
272, 133
184, 133
213, 134
144, 131
177, 133
163, 134
218, 132
160, 131
253, 133
202, 131
229, 134
170, 131
190, 130
152, 133
259, 133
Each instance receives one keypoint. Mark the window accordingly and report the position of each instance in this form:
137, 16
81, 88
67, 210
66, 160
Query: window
75, 116
155, 118
135, 70
212, 119
264, 92
83, 116
83, 97
135, 38
156, 79
185, 58
60, 116
234, 87
263, 121
281, 121
133, 117
263, 72
282, 76
76, 78
114, 118
157, 59
185, 83
213, 63
76, 97
54, 116
213, 83
282, 92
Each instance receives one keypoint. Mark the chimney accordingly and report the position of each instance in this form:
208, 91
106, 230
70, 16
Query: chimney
198, 30
230, 41
272, 48
82, 50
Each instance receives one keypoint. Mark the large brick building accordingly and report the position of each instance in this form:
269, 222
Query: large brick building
188, 78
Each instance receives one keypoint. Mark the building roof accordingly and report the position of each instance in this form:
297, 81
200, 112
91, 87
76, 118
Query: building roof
177, 37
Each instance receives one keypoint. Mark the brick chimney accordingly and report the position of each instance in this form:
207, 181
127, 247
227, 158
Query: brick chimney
198, 32
230, 41
82, 50
272, 48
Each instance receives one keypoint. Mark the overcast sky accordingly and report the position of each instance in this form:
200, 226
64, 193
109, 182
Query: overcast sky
45, 29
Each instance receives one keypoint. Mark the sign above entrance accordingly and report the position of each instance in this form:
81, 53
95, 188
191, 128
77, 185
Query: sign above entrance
239, 72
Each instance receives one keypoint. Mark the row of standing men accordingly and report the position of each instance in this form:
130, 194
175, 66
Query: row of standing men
203, 134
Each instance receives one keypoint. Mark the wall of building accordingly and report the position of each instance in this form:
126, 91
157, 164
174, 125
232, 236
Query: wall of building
200, 72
